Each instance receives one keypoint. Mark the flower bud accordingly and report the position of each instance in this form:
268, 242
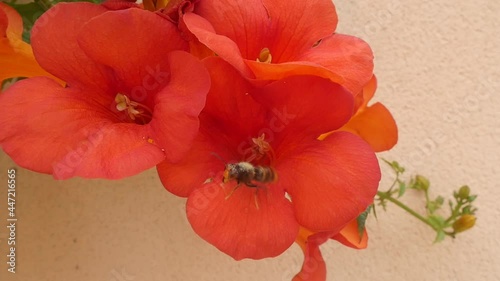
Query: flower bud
464, 223
421, 183
464, 192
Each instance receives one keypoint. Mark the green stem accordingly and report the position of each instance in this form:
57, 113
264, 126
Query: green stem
454, 212
384, 195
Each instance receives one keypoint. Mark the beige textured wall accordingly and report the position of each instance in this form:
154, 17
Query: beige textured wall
438, 67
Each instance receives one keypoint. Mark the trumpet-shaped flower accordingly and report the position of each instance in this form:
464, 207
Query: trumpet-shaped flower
131, 101
319, 184
273, 39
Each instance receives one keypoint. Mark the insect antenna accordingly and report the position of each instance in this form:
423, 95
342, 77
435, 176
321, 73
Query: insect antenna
219, 157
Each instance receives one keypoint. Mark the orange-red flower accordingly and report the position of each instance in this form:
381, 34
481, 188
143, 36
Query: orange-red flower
276, 126
16, 56
132, 97
273, 39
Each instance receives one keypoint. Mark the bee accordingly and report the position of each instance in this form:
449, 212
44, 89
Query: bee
244, 172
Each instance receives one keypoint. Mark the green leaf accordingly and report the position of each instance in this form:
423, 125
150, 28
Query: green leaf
440, 236
395, 166
420, 182
471, 198
8, 82
402, 188
432, 206
30, 12
374, 210
362, 220
470, 210
437, 222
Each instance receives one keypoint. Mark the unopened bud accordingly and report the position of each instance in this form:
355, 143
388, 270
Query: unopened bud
421, 183
464, 223
464, 192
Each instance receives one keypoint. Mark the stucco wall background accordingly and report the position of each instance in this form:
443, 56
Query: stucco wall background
437, 64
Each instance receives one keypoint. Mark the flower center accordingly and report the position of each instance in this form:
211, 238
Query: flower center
265, 56
136, 112
260, 151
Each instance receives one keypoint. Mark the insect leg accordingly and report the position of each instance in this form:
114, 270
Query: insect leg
256, 199
232, 191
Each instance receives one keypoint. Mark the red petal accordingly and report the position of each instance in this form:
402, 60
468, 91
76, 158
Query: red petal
367, 93
286, 28
201, 164
120, 150
71, 133
175, 115
57, 29
297, 25
222, 45
239, 227
230, 108
347, 56
264, 71
135, 44
349, 236
245, 27
338, 176
305, 106
313, 267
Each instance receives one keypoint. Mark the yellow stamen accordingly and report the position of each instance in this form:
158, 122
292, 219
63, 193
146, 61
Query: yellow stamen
259, 149
265, 56
261, 146
133, 109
